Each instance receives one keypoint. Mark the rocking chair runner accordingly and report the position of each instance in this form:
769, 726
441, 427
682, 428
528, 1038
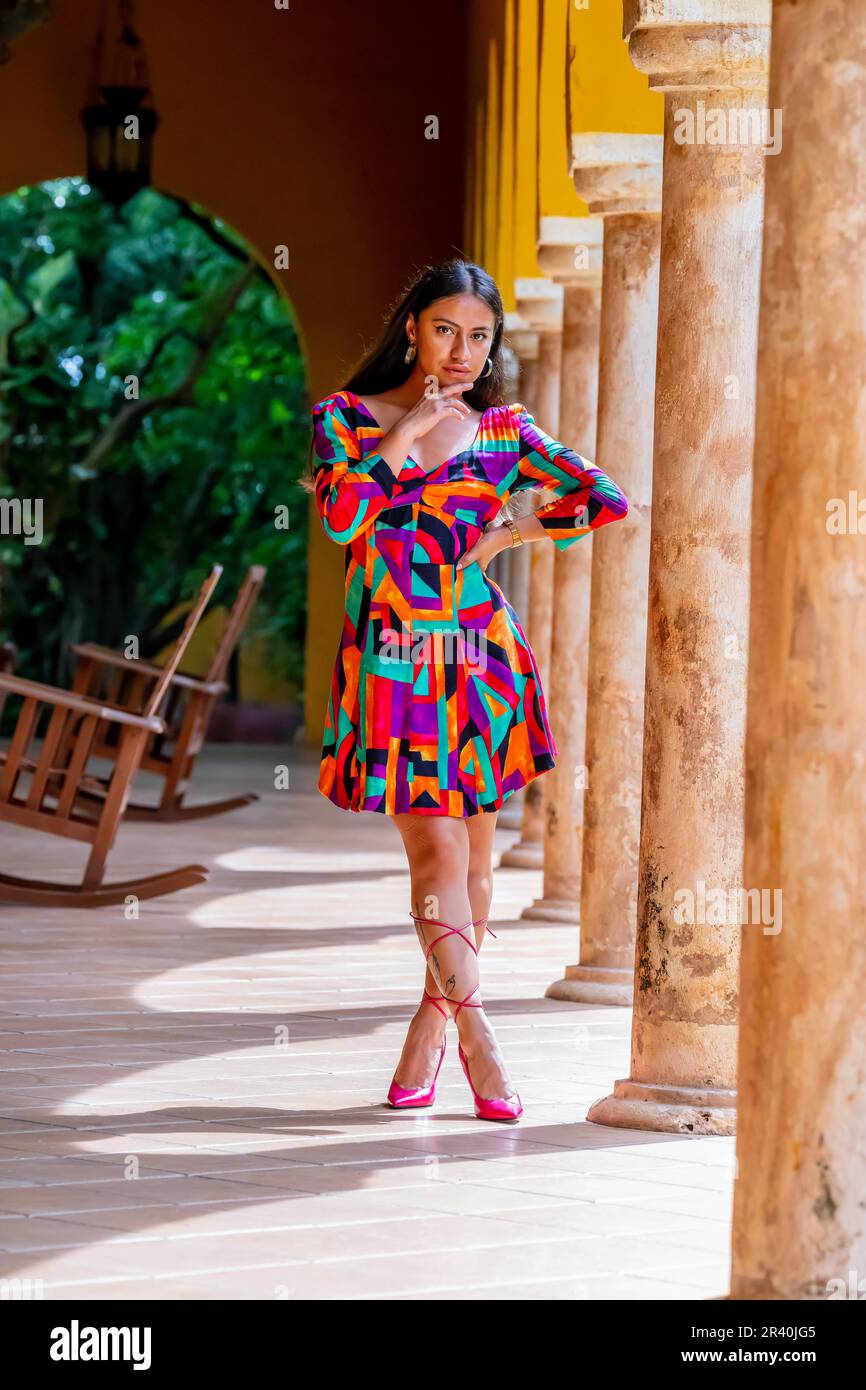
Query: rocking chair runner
170, 754
78, 723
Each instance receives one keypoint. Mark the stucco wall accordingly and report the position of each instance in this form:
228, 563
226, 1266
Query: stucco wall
302, 127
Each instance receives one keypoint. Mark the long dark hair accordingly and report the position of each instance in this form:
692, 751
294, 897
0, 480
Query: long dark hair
384, 366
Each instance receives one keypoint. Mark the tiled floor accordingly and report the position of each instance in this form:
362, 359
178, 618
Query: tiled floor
192, 1102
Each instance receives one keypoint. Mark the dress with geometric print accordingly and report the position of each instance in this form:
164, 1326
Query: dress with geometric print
436, 705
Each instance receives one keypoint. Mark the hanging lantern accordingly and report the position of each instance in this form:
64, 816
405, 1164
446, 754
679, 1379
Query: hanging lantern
118, 121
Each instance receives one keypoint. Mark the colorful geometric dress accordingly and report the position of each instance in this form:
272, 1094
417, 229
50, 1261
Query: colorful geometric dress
436, 705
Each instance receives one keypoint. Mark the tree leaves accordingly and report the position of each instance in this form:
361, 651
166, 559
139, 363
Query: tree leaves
98, 311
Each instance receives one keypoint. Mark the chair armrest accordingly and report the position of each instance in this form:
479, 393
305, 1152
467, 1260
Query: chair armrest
93, 652
84, 704
108, 657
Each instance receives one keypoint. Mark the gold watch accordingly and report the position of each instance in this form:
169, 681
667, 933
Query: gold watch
516, 538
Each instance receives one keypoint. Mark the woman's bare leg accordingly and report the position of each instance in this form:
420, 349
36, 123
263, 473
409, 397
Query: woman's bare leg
481, 829
482, 1053
479, 880
451, 870
437, 848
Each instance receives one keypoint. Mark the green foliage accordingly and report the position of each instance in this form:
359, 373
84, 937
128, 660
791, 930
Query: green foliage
133, 520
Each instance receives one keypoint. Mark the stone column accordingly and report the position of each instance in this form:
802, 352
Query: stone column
499, 566
510, 363
569, 252
684, 1028
539, 301
799, 1220
620, 178
527, 348
515, 583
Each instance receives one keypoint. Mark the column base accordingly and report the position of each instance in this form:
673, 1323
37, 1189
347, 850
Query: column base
750, 1291
526, 854
594, 984
554, 910
667, 1109
511, 815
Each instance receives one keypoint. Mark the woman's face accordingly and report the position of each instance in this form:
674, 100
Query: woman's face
454, 336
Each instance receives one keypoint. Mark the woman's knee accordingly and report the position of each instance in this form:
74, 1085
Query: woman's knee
439, 852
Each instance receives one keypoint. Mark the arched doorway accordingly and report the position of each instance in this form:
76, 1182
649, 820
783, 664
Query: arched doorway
153, 403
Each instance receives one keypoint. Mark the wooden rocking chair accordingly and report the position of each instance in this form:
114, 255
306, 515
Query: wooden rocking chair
77, 724
170, 754
8, 663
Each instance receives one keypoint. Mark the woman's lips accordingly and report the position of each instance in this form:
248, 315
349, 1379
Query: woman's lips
458, 371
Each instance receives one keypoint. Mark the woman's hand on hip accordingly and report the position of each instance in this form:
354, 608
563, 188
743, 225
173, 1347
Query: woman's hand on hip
489, 543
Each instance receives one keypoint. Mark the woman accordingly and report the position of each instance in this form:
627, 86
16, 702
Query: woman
436, 712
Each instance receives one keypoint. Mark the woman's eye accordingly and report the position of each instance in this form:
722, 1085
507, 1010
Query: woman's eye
479, 337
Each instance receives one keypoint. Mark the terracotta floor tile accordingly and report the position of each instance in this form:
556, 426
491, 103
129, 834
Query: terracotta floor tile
236, 1042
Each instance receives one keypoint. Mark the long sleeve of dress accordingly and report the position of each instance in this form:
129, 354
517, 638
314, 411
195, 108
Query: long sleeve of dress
585, 497
351, 491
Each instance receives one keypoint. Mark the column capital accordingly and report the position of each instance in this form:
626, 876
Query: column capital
539, 301
699, 45
570, 250
522, 338
617, 173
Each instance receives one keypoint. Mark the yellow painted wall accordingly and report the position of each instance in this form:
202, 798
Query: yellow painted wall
260, 678
503, 263
204, 639
492, 146
606, 92
556, 195
526, 146
561, 66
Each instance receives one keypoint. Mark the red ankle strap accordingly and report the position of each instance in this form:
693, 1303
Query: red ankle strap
451, 931
458, 1004
433, 999
468, 1002
477, 923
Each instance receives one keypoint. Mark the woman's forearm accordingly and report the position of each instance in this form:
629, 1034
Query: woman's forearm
529, 528
394, 446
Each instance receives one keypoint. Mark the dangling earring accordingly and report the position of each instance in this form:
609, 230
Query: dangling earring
489, 368
410, 351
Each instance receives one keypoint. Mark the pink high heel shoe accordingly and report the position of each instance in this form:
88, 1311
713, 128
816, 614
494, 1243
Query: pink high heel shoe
419, 1098
402, 1098
486, 1107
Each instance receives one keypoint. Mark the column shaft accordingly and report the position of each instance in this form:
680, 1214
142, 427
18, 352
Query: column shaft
566, 688
683, 1062
617, 637
799, 1199
528, 853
